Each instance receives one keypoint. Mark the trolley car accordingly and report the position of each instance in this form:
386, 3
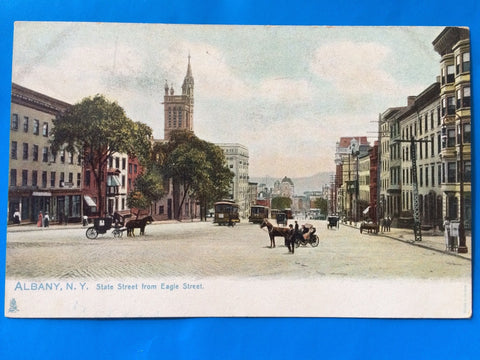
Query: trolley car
226, 213
258, 213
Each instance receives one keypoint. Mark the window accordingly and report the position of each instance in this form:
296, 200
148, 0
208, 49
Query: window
70, 158
439, 143
15, 122
450, 74
24, 177
432, 146
433, 175
421, 176
124, 162
135, 168
87, 178
25, 151
13, 150
36, 126
79, 177
451, 138
13, 177
467, 133
62, 179
117, 162
426, 176
466, 62
439, 174
25, 123
52, 178
62, 156
123, 181
35, 152
450, 105
70, 178
45, 129
458, 64
426, 122
466, 97
451, 172
44, 179
34, 177
45, 154
467, 171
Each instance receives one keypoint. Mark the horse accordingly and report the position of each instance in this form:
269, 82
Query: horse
138, 223
275, 231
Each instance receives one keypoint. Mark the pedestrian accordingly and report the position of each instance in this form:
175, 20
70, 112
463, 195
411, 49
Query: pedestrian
46, 220
291, 239
16, 217
40, 220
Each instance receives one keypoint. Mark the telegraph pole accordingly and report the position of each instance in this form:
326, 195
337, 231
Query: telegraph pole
417, 226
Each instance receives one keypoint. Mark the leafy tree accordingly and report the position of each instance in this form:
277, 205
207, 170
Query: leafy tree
281, 202
197, 165
148, 188
97, 128
322, 204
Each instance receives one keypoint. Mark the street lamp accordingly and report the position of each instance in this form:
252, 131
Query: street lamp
462, 247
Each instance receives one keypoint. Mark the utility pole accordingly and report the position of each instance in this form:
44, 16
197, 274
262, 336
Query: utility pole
417, 226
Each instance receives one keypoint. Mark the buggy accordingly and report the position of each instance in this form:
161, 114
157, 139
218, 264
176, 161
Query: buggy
102, 225
333, 222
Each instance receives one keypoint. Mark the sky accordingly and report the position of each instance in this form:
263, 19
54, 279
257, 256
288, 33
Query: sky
287, 93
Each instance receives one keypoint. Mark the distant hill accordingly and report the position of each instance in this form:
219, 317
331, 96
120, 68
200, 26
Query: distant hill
310, 183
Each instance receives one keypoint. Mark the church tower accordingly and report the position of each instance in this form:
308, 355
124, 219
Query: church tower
178, 109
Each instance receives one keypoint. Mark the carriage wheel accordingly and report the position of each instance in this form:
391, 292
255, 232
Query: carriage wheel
92, 233
117, 233
315, 241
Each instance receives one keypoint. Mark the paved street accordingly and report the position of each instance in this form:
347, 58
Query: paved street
204, 249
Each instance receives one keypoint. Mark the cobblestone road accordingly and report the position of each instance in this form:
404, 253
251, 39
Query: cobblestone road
203, 250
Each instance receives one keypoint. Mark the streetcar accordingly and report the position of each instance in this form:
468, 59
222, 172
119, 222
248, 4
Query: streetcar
258, 213
226, 213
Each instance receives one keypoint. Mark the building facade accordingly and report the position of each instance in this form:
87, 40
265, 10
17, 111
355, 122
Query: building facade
237, 161
453, 45
41, 181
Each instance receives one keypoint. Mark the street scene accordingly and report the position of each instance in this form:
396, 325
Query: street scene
312, 157
203, 249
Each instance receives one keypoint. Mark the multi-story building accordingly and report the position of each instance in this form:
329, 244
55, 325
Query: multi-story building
39, 179
362, 201
347, 154
420, 122
453, 45
237, 161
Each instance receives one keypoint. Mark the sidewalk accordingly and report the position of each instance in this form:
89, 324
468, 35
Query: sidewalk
431, 239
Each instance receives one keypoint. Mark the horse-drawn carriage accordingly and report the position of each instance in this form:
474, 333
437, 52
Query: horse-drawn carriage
333, 221
281, 219
369, 226
102, 225
119, 222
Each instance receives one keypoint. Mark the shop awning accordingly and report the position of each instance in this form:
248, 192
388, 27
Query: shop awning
113, 180
42, 193
89, 200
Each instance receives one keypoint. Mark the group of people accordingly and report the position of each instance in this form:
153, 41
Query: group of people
43, 220
294, 232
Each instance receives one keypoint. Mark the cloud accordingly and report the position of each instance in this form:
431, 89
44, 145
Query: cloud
354, 68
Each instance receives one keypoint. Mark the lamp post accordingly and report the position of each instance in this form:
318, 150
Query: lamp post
462, 247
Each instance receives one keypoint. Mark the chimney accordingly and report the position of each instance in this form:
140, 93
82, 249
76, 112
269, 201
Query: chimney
411, 100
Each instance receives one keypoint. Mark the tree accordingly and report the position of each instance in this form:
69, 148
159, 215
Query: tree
97, 128
281, 202
148, 188
197, 165
322, 204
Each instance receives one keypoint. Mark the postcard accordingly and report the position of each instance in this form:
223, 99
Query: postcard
161, 170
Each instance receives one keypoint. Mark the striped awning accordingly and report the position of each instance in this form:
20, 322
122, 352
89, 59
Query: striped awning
89, 200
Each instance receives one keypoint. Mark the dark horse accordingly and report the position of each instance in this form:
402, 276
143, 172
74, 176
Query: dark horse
275, 231
138, 223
